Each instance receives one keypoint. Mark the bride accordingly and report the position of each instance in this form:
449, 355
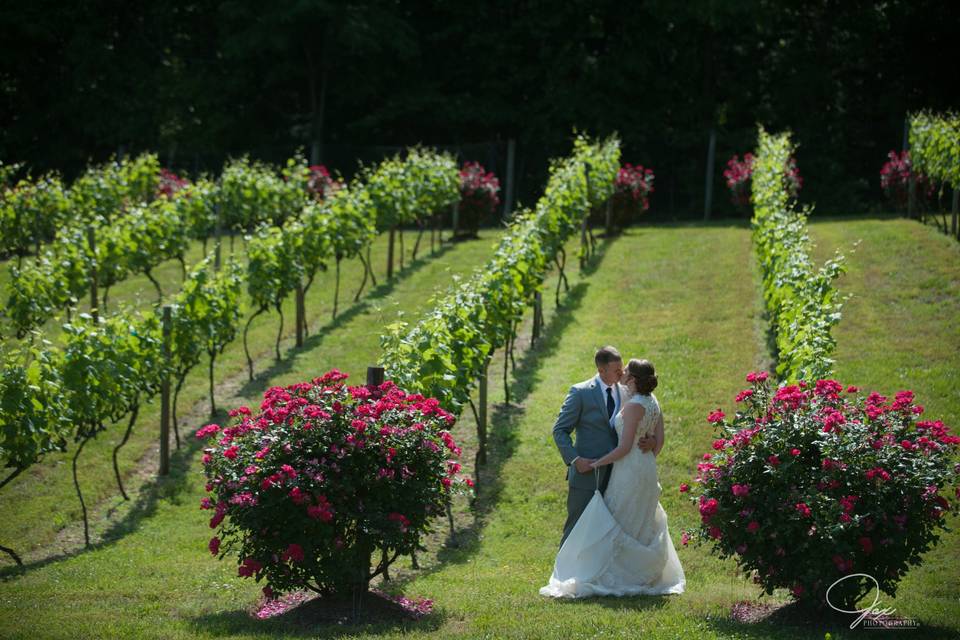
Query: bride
620, 544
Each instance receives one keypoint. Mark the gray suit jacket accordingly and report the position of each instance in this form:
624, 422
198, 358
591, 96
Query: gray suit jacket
585, 411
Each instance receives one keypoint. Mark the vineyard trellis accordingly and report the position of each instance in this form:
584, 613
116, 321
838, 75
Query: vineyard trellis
447, 353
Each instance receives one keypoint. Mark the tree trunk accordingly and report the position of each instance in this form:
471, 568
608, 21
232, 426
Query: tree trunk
126, 436
363, 283
156, 285
10, 477
279, 308
361, 582
213, 404
176, 392
506, 368
416, 245
393, 231
246, 350
306, 324
373, 276
76, 484
513, 343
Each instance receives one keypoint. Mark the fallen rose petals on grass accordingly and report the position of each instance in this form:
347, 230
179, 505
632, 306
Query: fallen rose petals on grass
270, 607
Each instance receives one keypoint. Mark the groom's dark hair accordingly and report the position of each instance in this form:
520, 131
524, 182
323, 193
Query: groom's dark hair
606, 355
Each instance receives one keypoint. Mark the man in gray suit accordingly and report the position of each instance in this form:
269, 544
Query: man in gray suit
589, 409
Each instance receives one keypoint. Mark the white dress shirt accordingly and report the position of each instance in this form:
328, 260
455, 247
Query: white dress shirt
615, 389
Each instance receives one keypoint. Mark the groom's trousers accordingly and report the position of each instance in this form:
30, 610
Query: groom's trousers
578, 498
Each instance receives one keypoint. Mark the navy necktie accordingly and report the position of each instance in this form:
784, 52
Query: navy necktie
610, 403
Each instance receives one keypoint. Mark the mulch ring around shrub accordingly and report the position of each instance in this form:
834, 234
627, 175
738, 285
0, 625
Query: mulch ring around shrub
792, 614
305, 608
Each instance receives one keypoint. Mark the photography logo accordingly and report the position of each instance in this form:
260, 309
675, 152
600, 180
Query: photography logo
873, 617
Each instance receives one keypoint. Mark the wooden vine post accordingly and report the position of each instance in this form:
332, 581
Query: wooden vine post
300, 319
482, 422
584, 244
165, 396
217, 233
911, 182
94, 300
537, 317
375, 376
393, 232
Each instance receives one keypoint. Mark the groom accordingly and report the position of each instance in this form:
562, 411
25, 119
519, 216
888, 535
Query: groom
589, 409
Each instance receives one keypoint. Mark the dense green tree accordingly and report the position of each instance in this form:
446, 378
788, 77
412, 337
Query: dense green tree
201, 80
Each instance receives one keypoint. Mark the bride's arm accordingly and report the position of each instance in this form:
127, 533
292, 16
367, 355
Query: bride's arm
632, 414
658, 434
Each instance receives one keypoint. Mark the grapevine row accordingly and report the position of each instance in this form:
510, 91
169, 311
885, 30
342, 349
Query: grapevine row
448, 351
109, 366
801, 302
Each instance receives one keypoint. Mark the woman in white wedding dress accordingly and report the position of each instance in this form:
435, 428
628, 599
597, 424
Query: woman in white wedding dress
620, 545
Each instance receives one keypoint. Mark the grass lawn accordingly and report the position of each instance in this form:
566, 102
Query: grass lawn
685, 296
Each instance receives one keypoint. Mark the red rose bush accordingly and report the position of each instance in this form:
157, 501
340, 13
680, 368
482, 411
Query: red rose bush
895, 181
631, 196
305, 491
479, 195
807, 484
738, 176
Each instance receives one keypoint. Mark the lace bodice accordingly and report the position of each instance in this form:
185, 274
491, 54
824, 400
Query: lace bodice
646, 426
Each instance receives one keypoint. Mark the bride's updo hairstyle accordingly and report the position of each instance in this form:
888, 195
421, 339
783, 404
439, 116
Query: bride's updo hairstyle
643, 375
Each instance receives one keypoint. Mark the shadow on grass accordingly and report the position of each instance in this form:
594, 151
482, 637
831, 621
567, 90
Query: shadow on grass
625, 603
792, 621
502, 442
145, 505
181, 460
312, 619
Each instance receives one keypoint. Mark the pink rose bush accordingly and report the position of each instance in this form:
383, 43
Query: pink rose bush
479, 195
895, 181
738, 175
814, 482
631, 195
305, 491
170, 183
320, 184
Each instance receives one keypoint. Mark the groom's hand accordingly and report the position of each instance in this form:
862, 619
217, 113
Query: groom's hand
583, 465
647, 444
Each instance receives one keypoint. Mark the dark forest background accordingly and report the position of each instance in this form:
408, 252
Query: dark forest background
198, 81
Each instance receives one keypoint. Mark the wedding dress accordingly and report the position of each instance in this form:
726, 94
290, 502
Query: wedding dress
620, 545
